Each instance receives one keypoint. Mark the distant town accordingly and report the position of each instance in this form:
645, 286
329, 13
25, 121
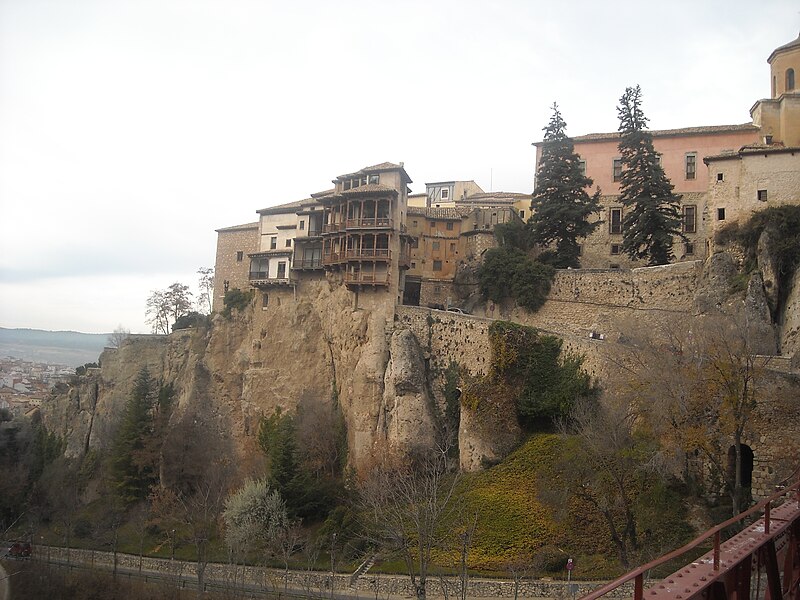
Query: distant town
25, 384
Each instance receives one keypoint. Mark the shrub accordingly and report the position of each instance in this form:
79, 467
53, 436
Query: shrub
192, 319
236, 299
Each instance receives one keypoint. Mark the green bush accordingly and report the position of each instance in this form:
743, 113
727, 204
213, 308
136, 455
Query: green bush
192, 319
236, 299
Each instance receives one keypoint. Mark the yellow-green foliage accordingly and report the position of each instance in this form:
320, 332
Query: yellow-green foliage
512, 522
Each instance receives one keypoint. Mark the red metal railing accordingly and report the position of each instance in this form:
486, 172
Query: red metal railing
707, 576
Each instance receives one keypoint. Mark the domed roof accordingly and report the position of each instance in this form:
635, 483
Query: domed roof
793, 45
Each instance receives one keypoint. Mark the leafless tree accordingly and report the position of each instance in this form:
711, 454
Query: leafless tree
157, 312
206, 287
118, 337
411, 507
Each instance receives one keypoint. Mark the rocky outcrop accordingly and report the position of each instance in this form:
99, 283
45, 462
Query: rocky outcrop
760, 331
790, 326
768, 268
406, 410
714, 283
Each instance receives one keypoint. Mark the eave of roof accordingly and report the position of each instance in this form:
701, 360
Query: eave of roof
780, 49
661, 133
243, 227
752, 151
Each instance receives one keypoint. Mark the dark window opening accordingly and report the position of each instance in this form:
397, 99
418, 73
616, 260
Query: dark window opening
615, 248
689, 249
615, 220
689, 219
720, 214
762, 195
437, 265
239, 256
720, 177
617, 169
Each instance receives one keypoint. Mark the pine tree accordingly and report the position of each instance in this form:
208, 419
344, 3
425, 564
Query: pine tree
561, 206
131, 472
653, 218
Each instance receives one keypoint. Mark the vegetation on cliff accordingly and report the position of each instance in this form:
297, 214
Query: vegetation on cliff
529, 376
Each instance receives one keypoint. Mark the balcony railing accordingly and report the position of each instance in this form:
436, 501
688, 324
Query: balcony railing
383, 222
331, 258
311, 263
260, 278
367, 278
332, 227
380, 253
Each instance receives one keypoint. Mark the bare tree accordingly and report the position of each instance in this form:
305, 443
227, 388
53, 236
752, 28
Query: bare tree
699, 388
206, 287
411, 507
118, 337
179, 300
158, 312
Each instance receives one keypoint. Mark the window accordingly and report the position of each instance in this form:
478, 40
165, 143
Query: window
613, 266
615, 248
437, 265
374, 178
435, 246
689, 224
689, 248
414, 223
281, 270
452, 246
615, 220
522, 215
767, 139
445, 193
414, 243
239, 256
273, 243
346, 184
761, 195
433, 224
289, 243
720, 214
789, 80
580, 250
413, 265
581, 168
617, 169
720, 177
450, 226
691, 166
264, 300
302, 225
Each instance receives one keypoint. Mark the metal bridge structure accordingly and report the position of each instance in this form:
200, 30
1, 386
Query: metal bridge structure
760, 562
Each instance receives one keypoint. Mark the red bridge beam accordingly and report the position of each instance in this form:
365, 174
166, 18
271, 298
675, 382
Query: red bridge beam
725, 572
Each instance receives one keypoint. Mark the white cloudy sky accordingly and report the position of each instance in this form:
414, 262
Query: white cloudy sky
131, 129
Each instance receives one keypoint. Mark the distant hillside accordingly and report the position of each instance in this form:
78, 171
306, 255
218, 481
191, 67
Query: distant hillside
59, 347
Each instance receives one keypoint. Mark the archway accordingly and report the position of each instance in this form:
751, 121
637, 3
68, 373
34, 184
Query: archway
746, 469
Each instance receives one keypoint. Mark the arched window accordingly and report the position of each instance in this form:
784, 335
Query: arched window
789, 80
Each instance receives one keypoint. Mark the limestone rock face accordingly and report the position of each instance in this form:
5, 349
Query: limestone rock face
406, 408
768, 269
712, 289
790, 331
479, 448
760, 331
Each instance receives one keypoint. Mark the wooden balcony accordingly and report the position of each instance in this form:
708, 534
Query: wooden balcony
332, 227
370, 223
306, 265
369, 253
364, 278
262, 278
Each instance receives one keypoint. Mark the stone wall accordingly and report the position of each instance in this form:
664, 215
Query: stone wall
316, 582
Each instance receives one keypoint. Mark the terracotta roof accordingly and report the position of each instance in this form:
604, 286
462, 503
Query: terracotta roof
281, 208
448, 213
384, 166
238, 227
324, 193
603, 137
790, 46
752, 149
513, 196
370, 188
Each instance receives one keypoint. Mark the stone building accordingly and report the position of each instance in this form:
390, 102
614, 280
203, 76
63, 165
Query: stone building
232, 264
694, 158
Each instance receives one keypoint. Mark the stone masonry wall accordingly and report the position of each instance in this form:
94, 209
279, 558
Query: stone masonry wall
316, 582
232, 262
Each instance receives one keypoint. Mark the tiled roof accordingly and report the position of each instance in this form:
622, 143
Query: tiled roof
602, 137
239, 227
513, 196
370, 188
753, 149
282, 208
384, 166
324, 193
791, 45
448, 213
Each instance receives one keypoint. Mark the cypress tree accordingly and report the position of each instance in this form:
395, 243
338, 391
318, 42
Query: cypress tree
561, 206
653, 215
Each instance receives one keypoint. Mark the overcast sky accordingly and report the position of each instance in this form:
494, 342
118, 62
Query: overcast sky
131, 130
